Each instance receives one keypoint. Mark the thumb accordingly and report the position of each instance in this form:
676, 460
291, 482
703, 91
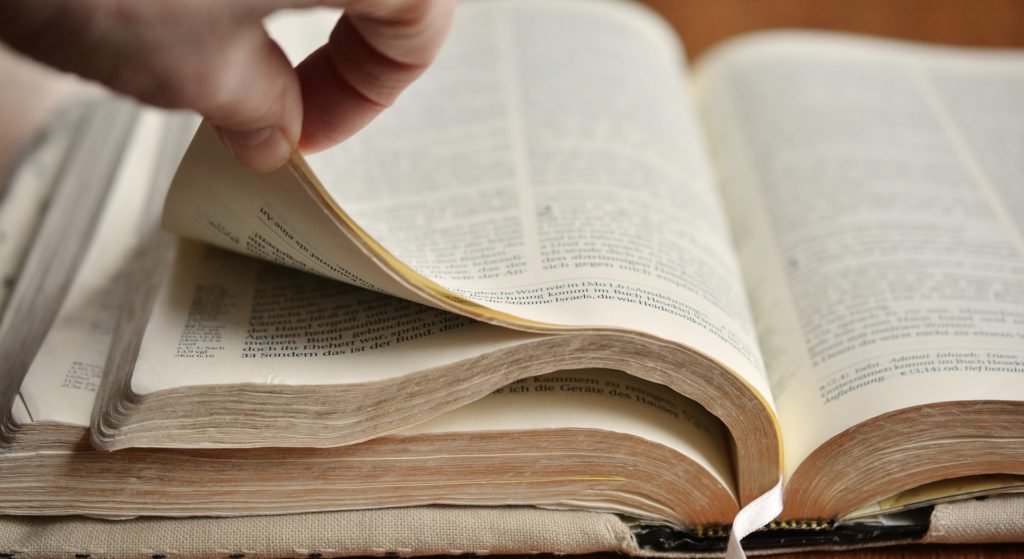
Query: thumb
254, 102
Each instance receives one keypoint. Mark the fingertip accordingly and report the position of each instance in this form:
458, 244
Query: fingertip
262, 149
255, 102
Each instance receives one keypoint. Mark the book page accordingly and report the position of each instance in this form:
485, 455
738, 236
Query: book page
24, 199
549, 166
875, 194
61, 383
222, 318
597, 399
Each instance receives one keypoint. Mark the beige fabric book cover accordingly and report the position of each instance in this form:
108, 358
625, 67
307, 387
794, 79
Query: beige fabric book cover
401, 531
412, 531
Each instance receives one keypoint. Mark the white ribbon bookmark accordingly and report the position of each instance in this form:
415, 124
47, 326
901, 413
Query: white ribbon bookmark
757, 513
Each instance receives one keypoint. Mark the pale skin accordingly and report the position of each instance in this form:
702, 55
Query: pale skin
214, 57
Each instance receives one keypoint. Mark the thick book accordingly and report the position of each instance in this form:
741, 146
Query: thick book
566, 271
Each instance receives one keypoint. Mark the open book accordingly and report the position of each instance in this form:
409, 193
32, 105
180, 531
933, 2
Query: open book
565, 271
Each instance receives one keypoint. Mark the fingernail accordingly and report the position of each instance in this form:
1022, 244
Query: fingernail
262, 149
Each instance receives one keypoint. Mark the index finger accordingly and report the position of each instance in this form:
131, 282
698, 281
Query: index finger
375, 51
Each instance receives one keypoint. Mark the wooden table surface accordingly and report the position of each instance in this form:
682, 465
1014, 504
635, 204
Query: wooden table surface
994, 23
28, 93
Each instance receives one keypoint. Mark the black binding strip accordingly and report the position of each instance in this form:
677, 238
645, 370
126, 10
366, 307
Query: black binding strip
667, 538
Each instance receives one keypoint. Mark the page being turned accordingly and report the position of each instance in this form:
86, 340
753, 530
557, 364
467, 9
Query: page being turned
874, 190
549, 166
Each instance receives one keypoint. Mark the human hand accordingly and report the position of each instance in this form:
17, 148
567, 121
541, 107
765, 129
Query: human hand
214, 57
